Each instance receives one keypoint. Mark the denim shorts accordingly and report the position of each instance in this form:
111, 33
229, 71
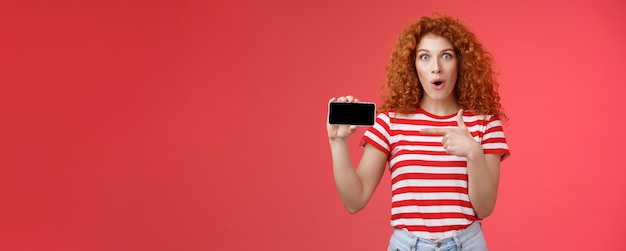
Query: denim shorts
469, 239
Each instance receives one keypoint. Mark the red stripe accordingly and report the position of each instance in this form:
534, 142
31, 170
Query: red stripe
424, 152
423, 122
379, 135
494, 118
430, 216
413, 143
404, 203
429, 176
415, 189
433, 123
494, 129
434, 229
411, 133
375, 144
429, 163
382, 123
496, 151
494, 140
418, 133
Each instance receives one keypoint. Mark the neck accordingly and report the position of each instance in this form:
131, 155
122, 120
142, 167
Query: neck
439, 107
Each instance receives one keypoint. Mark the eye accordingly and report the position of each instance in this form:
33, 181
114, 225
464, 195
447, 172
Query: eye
446, 56
424, 57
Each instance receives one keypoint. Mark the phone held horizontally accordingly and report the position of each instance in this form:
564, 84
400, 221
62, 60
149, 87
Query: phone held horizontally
345, 113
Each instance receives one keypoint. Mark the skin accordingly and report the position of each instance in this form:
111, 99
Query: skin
435, 61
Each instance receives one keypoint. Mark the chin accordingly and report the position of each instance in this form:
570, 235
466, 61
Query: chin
441, 98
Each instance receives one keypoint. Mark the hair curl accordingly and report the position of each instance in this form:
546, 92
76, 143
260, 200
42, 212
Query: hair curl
476, 87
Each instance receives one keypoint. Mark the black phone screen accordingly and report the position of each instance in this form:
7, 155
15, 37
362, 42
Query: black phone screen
352, 113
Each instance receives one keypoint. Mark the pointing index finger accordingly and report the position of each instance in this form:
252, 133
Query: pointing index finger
459, 119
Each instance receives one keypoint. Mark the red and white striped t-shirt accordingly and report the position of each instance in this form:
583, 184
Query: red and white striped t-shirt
428, 185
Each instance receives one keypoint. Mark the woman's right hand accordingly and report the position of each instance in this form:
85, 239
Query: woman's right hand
341, 132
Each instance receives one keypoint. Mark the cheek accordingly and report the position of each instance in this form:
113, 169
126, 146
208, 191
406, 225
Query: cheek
421, 72
455, 67
453, 70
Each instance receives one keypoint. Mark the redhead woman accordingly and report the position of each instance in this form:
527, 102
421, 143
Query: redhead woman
439, 132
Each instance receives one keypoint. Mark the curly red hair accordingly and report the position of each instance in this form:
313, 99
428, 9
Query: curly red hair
476, 87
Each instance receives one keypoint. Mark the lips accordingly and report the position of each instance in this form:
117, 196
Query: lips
437, 84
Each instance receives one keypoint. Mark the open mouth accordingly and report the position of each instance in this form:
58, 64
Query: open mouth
437, 84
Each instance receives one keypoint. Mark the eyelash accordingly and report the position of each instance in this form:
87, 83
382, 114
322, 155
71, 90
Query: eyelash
421, 56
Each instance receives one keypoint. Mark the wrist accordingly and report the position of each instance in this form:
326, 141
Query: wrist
335, 141
476, 152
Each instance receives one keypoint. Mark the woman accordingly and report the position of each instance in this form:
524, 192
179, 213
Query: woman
439, 130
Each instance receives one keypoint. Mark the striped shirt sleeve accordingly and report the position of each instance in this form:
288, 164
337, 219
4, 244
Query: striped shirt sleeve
494, 141
378, 134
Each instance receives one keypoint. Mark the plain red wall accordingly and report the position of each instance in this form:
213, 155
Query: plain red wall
200, 125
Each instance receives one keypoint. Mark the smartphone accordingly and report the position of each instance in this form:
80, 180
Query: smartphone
360, 113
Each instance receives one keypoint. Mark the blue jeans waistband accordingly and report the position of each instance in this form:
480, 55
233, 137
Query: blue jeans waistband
471, 238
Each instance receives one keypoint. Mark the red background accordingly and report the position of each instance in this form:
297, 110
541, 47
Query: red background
200, 125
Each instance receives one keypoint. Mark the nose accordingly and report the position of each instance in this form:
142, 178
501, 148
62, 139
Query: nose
436, 67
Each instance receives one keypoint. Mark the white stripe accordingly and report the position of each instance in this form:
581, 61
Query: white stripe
427, 169
428, 157
420, 148
492, 146
432, 209
431, 222
376, 139
429, 139
496, 134
429, 196
421, 139
421, 116
412, 127
385, 118
409, 116
382, 129
428, 183
494, 123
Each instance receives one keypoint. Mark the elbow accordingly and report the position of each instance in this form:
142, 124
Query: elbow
483, 213
353, 209
483, 206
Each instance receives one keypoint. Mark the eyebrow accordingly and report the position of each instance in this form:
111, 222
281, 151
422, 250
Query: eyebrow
447, 49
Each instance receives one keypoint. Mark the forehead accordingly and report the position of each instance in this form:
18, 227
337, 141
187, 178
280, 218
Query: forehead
434, 42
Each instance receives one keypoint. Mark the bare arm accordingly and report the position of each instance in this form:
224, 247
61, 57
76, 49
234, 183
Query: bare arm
483, 171
355, 186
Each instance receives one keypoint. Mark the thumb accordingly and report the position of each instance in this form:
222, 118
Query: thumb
459, 119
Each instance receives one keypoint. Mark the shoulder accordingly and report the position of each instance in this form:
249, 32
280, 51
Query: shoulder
485, 118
